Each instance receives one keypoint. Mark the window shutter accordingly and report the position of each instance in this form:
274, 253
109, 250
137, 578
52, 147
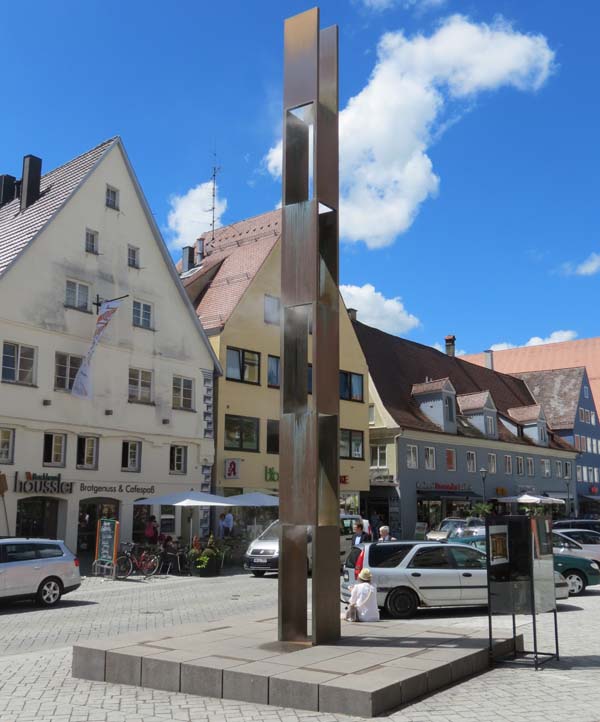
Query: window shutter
80, 450
124, 455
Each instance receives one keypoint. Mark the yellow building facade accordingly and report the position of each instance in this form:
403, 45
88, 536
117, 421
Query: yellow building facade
245, 334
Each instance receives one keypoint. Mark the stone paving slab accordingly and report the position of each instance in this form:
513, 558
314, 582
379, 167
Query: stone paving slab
374, 667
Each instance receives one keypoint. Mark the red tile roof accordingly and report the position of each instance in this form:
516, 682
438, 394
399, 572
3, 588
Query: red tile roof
232, 259
565, 354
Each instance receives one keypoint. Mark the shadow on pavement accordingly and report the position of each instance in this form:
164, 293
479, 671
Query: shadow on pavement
24, 606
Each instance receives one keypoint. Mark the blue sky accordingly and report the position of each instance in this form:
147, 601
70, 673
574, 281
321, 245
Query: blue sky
470, 153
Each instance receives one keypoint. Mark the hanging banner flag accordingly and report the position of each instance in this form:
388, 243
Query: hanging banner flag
82, 386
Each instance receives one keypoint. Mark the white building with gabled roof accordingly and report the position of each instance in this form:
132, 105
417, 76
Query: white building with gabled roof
77, 235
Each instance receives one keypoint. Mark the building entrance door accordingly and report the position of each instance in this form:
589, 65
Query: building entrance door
37, 516
90, 510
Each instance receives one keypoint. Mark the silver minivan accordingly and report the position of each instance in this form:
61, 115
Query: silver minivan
262, 554
40, 569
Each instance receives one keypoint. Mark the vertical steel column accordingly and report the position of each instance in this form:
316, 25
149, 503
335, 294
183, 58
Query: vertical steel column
309, 446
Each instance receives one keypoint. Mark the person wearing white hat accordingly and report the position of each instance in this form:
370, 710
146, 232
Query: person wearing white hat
364, 598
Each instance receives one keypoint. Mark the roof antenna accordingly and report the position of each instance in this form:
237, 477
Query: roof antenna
216, 169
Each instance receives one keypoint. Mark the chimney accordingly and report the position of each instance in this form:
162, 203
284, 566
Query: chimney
7, 189
450, 345
200, 247
188, 260
30, 184
489, 359
352, 313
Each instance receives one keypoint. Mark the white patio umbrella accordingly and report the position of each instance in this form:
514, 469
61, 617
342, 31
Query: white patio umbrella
530, 499
185, 498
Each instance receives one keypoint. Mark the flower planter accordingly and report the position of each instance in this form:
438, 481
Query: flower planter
212, 569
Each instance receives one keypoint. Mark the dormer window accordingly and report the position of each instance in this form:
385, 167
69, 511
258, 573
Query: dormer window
449, 405
490, 426
543, 435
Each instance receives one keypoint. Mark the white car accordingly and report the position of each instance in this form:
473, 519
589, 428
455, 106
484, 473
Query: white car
262, 554
412, 574
567, 542
40, 569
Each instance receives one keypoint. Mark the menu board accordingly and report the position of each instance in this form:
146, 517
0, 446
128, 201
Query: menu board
107, 540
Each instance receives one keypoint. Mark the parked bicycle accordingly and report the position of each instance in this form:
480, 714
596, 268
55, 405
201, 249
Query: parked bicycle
143, 561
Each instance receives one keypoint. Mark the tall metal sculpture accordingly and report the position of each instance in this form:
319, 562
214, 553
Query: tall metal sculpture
309, 447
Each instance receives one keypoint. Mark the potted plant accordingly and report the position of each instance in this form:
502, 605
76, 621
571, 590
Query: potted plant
209, 561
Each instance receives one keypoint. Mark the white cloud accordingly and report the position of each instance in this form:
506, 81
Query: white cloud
374, 309
589, 267
387, 128
418, 5
191, 214
554, 337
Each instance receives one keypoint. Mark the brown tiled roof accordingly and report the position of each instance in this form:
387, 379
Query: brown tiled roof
231, 261
473, 401
18, 228
428, 387
558, 392
396, 364
562, 355
525, 414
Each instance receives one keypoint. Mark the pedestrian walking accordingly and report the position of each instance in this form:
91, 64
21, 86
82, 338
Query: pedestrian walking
228, 524
360, 536
151, 530
221, 526
384, 534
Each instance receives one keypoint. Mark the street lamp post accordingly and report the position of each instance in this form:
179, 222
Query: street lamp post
483, 471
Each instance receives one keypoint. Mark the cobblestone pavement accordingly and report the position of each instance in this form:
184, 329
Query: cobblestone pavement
35, 659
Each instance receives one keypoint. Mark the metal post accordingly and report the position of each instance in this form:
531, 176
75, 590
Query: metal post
483, 472
309, 446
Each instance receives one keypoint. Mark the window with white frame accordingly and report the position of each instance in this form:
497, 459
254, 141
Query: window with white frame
581, 414
579, 473
471, 461
596, 475
492, 468
567, 469
140, 386
593, 418
378, 456
142, 314
588, 416
490, 425
18, 363
183, 393
272, 310
178, 459
55, 446
595, 446
371, 414
589, 444
412, 457
112, 198
450, 460
530, 466
591, 473
586, 392
429, 455
543, 434
66, 366
545, 467
131, 456
91, 241
77, 295
7, 444
133, 256
520, 466
577, 441
87, 452
508, 466
558, 469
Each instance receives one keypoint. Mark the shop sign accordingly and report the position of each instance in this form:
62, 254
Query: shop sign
593, 489
442, 486
271, 473
501, 491
96, 489
232, 469
344, 479
107, 540
42, 484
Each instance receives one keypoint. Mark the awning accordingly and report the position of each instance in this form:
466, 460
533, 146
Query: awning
590, 497
437, 495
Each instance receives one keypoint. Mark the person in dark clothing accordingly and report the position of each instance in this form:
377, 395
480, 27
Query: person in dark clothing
360, 536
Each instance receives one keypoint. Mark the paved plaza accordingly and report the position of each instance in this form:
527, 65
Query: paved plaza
35, 660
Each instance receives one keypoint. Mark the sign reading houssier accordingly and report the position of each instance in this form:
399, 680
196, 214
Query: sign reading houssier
42, 484
442, 486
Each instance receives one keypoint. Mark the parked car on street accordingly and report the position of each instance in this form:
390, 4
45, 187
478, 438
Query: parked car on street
412, 574
579, 572
592, 524
585, 537
40, 569
262, 554
453, 527
563, 544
